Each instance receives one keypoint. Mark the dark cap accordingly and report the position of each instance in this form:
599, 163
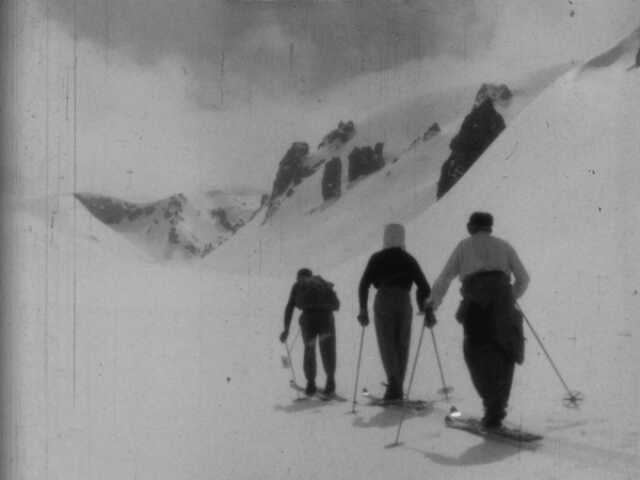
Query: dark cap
304, 272
480, 221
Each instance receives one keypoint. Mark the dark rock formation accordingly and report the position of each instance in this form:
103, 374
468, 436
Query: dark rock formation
433, 130
174, 225
340, 135
332, 179
497, 93
220, 214
365, 161
291, 168
175, 205
479, 129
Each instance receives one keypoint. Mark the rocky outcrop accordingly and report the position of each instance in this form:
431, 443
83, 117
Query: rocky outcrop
479, 129
332, 179
497, 93
298, 163
340, 135
292, 168
176, 225
223, 218
431, 132
364, 161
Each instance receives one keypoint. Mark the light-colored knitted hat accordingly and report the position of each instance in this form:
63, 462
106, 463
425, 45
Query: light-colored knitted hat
393, 235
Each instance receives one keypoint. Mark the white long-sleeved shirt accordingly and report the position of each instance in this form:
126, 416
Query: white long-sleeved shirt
480, 252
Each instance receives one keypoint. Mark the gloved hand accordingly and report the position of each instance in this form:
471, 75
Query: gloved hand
284, 335
428, 304
429, 317
363, 318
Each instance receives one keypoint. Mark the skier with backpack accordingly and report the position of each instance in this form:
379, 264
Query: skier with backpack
317, 299
493, 334
393, 271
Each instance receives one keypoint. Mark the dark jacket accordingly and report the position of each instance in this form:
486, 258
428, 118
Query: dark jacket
291, 304
393, 267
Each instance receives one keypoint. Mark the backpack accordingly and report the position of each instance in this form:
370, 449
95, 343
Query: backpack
315, 293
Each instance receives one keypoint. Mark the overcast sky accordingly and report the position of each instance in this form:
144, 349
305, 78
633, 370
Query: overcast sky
277, 45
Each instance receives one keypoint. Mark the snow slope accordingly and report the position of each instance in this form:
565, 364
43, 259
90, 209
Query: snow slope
560, 183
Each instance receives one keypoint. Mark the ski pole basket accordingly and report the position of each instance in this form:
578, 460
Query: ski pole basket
573, 399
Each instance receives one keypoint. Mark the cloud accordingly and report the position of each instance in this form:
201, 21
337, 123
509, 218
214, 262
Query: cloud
173, 95
303, 46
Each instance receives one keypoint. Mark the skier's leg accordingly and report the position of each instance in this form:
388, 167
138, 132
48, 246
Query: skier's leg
505, 367
476, 358
403, 340
498, 368
327, 343
309, 361
383, 321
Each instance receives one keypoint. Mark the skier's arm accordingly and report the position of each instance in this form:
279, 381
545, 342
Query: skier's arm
288, 311
423, 289
335, 301
450, 271
365, 283
521, 277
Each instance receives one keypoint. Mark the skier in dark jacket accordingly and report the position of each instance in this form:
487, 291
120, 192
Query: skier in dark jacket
493, 337
316, 322
393, 271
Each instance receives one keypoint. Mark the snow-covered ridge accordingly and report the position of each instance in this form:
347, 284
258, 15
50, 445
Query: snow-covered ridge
177, 225
628, 50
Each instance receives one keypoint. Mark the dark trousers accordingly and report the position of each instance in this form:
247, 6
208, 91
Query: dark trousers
493, 339
318, 325
491, 372
392, 318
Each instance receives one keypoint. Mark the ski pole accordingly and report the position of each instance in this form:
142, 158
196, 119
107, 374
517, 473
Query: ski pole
573, 397
355, 388
293, 342
415, 362
293, 373
413, 371
445, 390
286, 360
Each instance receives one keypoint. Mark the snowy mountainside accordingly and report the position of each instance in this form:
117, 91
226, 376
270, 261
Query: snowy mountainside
416, 138
177, 225
561, 183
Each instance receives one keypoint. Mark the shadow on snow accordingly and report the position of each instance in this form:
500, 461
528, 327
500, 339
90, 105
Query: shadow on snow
485, 452
389, 416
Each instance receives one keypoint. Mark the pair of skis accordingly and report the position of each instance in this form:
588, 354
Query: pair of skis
457, 420
454, 419
374, 400
407, 403
319, 395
